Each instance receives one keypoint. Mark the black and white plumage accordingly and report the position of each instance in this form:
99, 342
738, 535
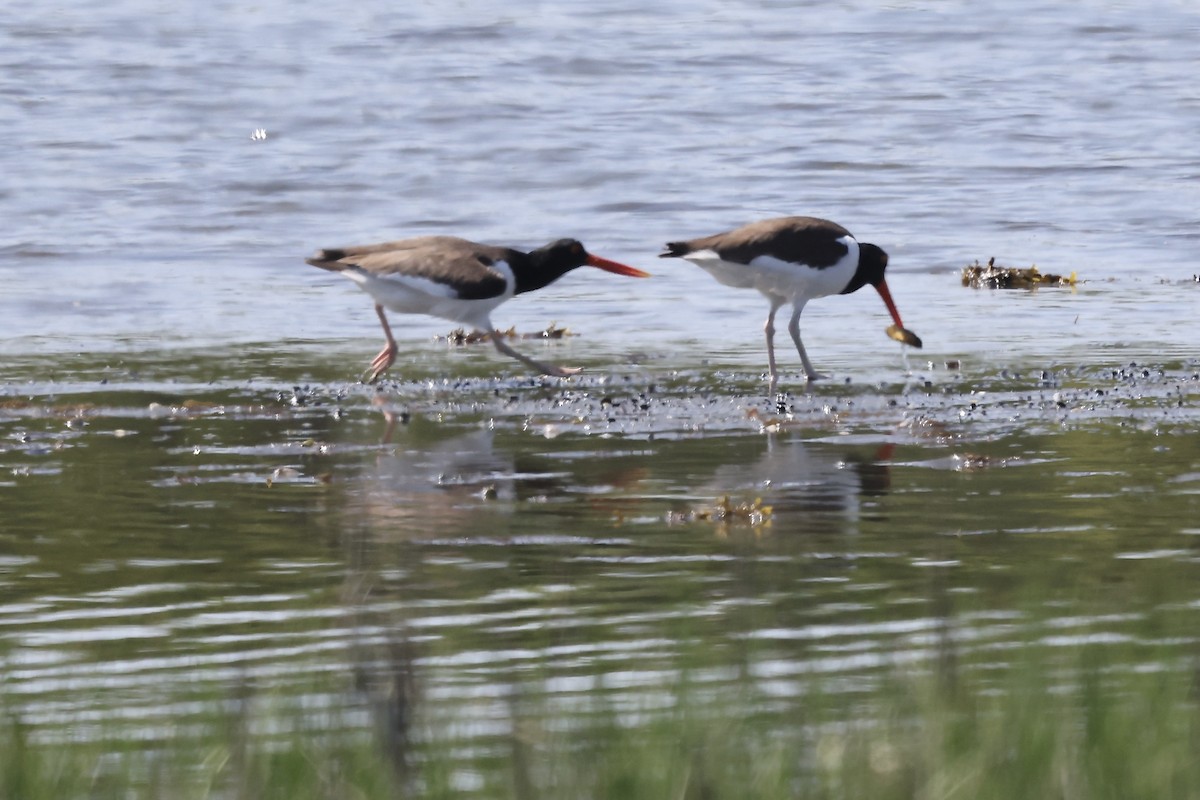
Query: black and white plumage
791, 260
458, 280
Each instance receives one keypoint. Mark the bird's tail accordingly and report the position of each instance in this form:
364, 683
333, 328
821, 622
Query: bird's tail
675, 250
328, 259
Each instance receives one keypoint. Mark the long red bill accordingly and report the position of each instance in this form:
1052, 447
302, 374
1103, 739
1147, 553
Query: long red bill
882, 288
897, 331
615, 267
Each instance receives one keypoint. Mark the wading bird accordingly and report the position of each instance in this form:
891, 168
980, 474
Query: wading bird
793, 260
455, 279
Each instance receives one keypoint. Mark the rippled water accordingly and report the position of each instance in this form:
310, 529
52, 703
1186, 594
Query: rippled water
193, 490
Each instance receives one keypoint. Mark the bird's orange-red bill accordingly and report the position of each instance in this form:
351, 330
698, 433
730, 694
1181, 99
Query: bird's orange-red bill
882, 288
615, 267
897, 331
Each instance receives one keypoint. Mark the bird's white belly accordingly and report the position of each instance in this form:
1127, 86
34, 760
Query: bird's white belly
794, 281
406, 294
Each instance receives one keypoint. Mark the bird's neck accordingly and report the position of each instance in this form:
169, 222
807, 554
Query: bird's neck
857, 282
536, 274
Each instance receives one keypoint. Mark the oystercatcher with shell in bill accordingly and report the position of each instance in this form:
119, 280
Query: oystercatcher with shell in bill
455, 279
793, 260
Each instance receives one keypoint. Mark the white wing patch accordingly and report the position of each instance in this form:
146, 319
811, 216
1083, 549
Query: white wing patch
777, 278
739, 276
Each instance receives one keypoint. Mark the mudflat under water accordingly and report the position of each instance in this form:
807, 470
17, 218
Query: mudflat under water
194, 489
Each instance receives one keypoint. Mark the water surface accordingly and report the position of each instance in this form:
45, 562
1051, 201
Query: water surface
196, 493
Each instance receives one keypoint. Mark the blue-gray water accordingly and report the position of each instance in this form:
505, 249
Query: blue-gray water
138, 207
171, 508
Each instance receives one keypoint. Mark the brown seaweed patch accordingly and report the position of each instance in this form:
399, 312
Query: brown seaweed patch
994, 277
460, 336
725, 511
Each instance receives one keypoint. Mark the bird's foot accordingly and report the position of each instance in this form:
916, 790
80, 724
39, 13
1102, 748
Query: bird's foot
380, 364
555, 371
809, 378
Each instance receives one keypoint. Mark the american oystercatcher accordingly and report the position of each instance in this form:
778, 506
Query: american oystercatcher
458, 280
793, 260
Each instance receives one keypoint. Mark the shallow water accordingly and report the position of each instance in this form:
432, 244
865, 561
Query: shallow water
195, 492
164, 541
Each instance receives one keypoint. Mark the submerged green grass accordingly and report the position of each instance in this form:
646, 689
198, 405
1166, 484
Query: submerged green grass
1087, 726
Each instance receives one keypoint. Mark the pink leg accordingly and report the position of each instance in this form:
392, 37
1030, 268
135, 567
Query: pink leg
794, 330
387, 356
769, 329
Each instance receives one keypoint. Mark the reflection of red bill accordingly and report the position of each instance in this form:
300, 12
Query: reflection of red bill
904, 335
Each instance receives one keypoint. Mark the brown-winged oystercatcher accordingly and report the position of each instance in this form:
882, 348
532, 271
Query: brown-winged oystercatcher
455, 279
793, 260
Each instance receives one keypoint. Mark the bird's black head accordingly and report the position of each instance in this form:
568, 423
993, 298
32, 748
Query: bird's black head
550, 262
566, 254
872, 261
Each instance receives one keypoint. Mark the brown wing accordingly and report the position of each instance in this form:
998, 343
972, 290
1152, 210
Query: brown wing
805, 240
465, 266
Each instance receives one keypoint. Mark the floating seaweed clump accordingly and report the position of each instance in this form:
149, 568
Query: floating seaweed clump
460, 336
994, 277
725, 510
